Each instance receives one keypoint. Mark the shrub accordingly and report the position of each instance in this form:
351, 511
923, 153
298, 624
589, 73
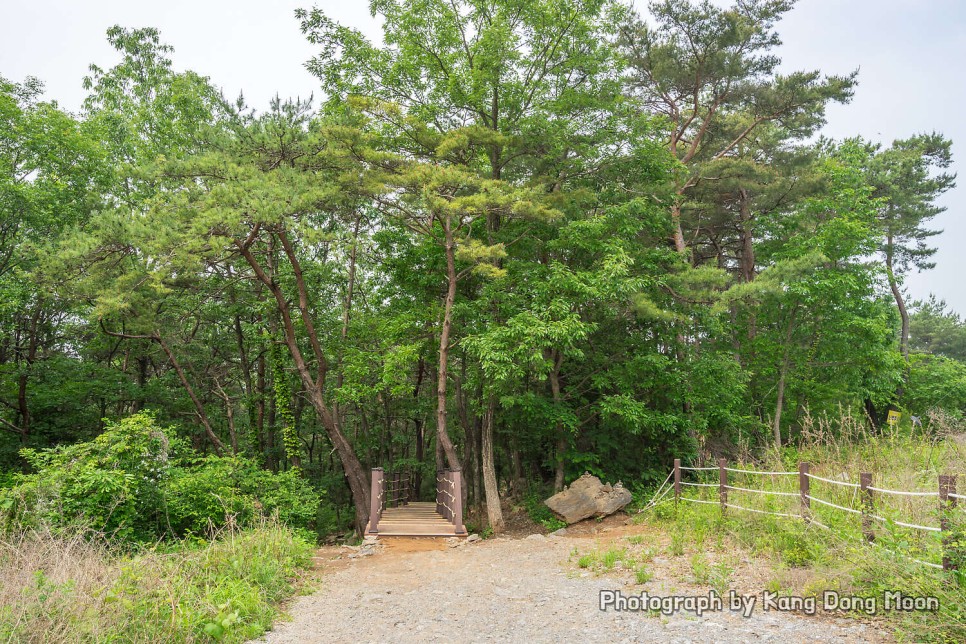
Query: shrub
139, 482
540, 513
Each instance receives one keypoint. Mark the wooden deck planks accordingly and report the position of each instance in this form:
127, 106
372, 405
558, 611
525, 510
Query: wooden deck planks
418, 519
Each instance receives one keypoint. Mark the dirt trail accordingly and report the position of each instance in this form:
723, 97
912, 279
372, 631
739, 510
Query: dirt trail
517, 590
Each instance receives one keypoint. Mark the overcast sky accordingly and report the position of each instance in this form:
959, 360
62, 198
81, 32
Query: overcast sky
910, 55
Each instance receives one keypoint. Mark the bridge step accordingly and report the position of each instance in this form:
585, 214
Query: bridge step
417, 519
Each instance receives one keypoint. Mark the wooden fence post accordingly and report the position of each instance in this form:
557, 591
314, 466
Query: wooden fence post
804, 489
947, 486
868, 505
723, 484
375, 500
677, 480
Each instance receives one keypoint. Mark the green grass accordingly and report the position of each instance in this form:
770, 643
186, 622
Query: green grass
540, 513
807, 560
74, 589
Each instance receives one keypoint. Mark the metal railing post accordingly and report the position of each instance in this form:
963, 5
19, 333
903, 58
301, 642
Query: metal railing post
458, 502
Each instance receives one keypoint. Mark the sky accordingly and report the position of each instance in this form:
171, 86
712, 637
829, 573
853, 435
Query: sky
909, 54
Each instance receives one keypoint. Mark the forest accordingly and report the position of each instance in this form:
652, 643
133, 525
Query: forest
523, 239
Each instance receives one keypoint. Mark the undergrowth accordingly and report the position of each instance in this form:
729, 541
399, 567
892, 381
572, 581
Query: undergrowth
540, 513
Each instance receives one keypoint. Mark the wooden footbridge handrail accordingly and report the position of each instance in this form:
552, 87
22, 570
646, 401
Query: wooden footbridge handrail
394, 512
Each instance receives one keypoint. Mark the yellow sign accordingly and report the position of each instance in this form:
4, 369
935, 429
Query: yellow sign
894, 417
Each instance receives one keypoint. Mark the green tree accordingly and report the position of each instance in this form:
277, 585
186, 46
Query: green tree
52, 172
711, 72
936, 329
909, 176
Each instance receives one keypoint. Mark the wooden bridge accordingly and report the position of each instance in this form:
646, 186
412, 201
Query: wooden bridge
392, 513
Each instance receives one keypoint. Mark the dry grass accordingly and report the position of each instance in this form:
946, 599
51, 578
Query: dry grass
72, 588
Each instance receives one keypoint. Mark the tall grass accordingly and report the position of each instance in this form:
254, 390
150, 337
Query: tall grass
838, 557
72, 588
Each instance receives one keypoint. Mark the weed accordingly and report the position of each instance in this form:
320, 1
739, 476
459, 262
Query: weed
677, 544
642, 575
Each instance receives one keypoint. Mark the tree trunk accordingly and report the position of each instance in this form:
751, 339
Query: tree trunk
783, 372
216, 443
679, 244
260, 404
356, 477
494, 510
561, 448
903, 315
747, 237
900, 302
442, 435
469, 449
418, 426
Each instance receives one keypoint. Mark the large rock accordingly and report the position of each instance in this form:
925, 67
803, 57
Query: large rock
588, 497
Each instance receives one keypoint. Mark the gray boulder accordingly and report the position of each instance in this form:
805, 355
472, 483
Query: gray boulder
588, 497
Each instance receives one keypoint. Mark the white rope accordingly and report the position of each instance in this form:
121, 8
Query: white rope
833, 482
660, 494
777, 514
744, 489
906, 525
881, 491
957, 496
684, 498
698, 469
732, 469
700, 484
833, 505
906, 557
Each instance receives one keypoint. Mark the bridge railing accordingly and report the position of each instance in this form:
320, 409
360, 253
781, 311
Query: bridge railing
449, 497
398, 488
389, 490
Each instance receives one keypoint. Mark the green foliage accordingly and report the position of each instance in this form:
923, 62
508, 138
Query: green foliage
936, 329
137, 481
935, 382
283, 406
540, 513
609, 241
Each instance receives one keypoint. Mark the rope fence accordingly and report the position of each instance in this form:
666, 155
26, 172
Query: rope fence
863, 494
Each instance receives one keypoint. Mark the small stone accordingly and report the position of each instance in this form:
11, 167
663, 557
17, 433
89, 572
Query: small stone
473, 538
536, 537
562, 532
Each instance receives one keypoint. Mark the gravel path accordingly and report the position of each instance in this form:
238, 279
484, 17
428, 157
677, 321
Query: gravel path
516, 590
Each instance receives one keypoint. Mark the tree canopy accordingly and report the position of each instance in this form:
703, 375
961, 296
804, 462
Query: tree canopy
521, 239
